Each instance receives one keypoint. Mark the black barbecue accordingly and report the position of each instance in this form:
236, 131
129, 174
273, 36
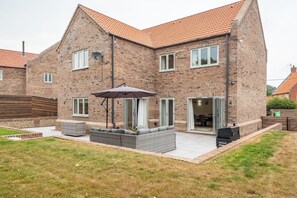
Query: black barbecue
227, 135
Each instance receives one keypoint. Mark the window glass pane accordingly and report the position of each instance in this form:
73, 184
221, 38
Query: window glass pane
214, 55
75, 106
86, 58
45, 77
204, 56
170, 112
195, 58
81, 59
50, 77
80, 106
86, 106
163, 112
171, 61
76, 60
1, 75
163, 62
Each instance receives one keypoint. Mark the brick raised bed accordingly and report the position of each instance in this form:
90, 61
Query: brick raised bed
25, 136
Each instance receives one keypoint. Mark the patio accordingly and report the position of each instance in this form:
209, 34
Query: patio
187, 145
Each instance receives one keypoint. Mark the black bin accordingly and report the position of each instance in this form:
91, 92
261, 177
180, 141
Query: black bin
227, 135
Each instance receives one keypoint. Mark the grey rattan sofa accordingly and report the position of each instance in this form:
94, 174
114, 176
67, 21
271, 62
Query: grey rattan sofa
160, 140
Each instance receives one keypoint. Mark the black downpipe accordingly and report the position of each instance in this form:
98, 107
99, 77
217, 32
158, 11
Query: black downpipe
112, 81
227, 80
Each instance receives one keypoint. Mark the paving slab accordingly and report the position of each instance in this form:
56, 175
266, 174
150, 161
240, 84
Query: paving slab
188, 145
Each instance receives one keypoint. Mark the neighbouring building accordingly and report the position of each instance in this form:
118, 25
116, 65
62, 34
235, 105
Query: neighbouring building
13, 71
209, 69
288, 88
42, 74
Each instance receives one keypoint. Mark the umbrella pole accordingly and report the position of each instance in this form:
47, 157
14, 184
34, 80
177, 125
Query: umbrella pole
107, 113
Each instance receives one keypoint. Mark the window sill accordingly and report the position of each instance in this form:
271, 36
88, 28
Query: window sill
82, 116
169, 70
204, 66
83, 68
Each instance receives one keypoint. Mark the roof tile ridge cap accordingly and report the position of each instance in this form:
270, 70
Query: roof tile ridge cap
230, 4
17, 51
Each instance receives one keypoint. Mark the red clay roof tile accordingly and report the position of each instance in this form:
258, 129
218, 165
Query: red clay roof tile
10, 58
202, 25
287, 84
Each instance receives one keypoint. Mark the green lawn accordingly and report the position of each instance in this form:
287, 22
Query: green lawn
58, 168
4, 131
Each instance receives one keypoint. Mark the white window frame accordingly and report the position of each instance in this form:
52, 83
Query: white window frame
47, 77
1, 74
167, 105
208, 57
167, 62
77, 63
83, 110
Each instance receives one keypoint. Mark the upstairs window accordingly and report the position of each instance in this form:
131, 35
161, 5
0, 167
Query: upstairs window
80, 59
48, 78
1, 75
167, 62
206, 56
80, 107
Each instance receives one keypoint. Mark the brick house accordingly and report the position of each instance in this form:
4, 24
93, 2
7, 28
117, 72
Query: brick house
41, 74
208, 69
13, 72
288, 88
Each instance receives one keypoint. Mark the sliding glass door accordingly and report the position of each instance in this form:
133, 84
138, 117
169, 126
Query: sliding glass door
136, 113
166, 111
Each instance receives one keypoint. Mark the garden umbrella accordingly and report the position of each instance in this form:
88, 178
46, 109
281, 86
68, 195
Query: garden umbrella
122, 92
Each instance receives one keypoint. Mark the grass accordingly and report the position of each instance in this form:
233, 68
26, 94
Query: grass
57, 168
4, 131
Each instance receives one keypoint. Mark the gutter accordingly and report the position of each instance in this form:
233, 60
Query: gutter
227, 80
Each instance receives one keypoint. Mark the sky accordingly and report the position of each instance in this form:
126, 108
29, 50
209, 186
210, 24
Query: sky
41, 23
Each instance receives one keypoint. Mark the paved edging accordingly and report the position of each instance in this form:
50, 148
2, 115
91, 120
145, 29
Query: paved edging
242, 140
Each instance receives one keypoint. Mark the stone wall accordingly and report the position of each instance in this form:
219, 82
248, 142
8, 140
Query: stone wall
45, 62
14, 81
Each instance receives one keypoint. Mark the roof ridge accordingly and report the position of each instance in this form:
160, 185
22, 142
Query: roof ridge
18, 51
193, 15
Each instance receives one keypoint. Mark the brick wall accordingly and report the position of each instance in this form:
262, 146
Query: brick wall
83, 33
14, 81
139, 66
251, 63
45, 62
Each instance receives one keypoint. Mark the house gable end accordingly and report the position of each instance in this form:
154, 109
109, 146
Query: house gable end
78, 11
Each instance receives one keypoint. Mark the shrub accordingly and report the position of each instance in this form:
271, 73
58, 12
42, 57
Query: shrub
280, 103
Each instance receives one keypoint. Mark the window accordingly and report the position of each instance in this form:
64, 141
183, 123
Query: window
81, 107
1, 75
207, 56
167, 62
48, 78
166, 111
80, 59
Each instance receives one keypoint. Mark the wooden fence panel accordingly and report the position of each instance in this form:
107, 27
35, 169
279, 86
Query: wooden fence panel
292, 124
26, 107
269, 120
44, 107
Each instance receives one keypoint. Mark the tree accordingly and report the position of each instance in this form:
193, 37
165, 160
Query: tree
270, 90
